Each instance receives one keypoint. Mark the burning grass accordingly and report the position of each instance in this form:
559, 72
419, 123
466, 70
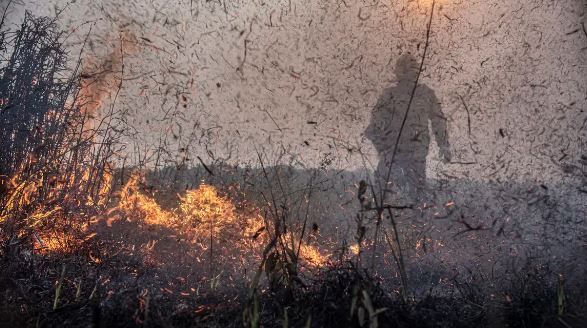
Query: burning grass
54, 214
209, 220
135, 204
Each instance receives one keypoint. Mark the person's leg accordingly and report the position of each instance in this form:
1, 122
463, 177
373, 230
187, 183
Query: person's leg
392, 187
415, 180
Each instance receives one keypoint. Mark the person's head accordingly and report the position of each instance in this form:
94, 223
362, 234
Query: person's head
406, 68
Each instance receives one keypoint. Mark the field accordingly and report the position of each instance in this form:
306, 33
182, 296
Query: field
87, 241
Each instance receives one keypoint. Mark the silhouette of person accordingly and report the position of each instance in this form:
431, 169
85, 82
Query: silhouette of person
408, 175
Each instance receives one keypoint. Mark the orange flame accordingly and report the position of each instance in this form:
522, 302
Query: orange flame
137, 205
41, 200
203, 208
203, 214
101, 77
312, 256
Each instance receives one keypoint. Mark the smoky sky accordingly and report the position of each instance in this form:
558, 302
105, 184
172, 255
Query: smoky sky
298, 80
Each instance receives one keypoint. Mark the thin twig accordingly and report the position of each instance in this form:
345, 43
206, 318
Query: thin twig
468, 114
205, 166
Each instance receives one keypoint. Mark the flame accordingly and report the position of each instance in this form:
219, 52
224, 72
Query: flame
312, 256
205, 215
134, 204
53, 203
354, 249
62, 239
204, 209
102, 76
54, 206
201, 212
239, 231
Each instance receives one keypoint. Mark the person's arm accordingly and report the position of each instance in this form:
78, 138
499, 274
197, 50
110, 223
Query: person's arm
439, 128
